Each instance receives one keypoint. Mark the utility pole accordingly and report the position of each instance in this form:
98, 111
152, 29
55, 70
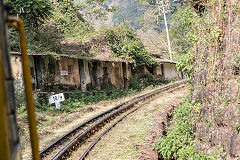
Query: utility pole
161, 4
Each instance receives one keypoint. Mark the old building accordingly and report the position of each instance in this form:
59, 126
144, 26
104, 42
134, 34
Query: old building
87, 66
50, 71
164, 70
167, 70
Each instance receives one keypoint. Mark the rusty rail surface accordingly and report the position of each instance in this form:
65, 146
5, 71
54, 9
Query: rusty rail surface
97, 122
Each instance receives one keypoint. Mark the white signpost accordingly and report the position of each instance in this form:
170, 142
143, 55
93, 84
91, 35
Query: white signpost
57, 98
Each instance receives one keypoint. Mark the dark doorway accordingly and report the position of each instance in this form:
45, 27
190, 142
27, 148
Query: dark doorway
39, 71
125, 68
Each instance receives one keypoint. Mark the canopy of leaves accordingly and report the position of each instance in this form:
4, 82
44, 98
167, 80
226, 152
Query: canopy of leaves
33, 12
125, 44
50, 22
182, 29
70, 20
183, 37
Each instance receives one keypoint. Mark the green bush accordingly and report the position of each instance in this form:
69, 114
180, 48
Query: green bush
185, 63
77, 100
179, 142
125, 44
182, 31
139, 83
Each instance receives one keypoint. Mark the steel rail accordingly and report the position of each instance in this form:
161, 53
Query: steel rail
103, 133
91, 129
119, 120
60, 140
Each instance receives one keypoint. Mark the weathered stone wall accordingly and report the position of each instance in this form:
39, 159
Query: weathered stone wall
84, 74
158, 70
215, 79
16, 63
118, 75
71, 73
113, 74
99, 75
71, 66
170, 71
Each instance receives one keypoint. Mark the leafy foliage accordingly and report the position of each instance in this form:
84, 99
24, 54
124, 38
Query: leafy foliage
182, 30
78, 100
179, 142
33, 12
48, 23
69, 20
124, 43
185, 63
184, 25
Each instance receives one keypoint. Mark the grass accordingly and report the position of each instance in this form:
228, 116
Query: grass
50, 118
135, 131
77, 100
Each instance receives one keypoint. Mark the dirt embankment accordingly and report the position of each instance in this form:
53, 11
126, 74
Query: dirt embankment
158, 130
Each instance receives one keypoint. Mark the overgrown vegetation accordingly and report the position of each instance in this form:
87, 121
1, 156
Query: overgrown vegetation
182, 30
125, 44
49, 115
78, 100
48, 23
180, 140
183, 37
63, 21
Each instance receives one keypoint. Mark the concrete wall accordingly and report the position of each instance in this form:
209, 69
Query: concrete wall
16, 63
158, 70
99, 75
33, 72
47, 72
126, 74
141, 71
118, 75
71, 69
84, 74
170, 71
113, 74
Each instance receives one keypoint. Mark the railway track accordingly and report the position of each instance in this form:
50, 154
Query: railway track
92, 130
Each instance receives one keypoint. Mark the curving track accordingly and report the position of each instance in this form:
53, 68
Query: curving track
62, 148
